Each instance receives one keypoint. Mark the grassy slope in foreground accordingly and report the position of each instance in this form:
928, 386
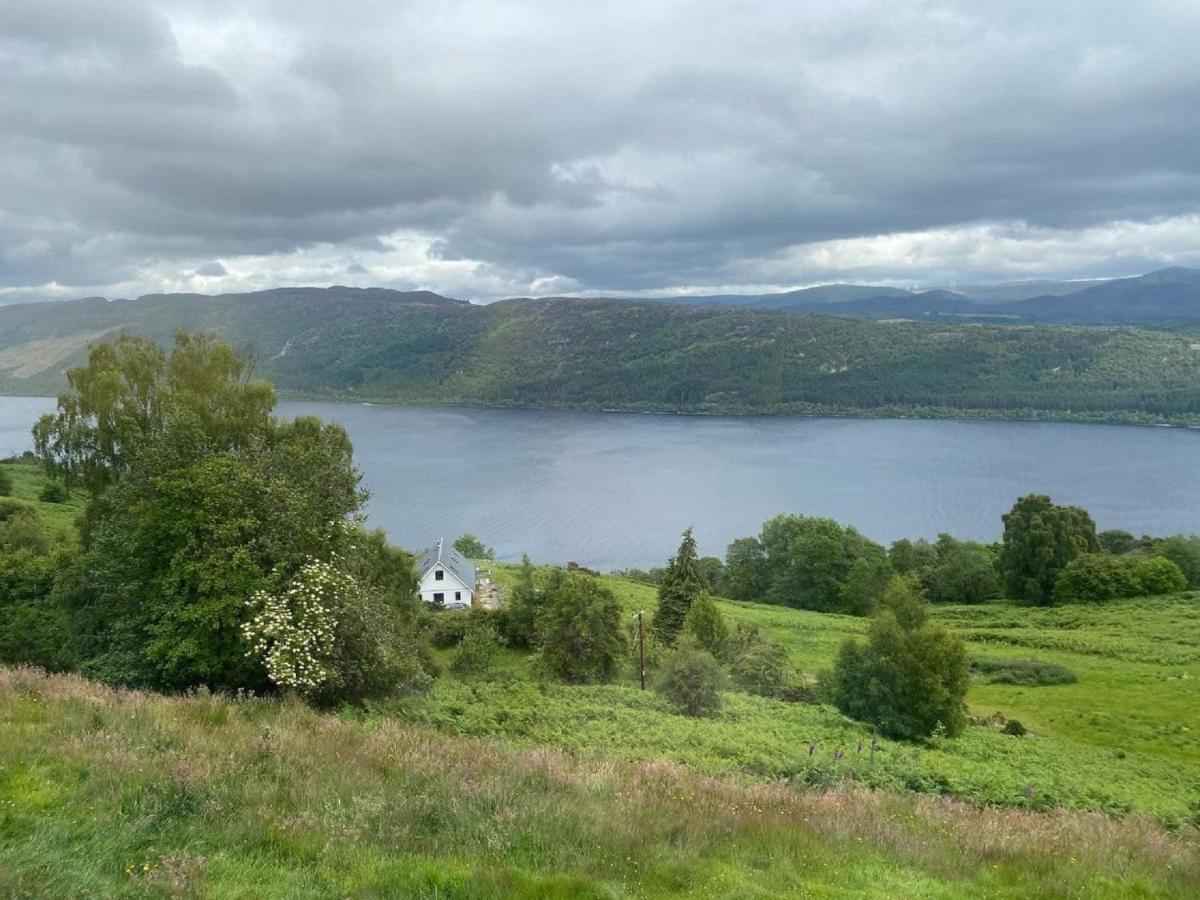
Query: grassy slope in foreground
117, 793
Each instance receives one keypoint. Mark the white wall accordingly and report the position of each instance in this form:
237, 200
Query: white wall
447, 587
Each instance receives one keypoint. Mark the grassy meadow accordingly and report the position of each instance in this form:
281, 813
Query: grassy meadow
1124, 737
111, 793
28, 480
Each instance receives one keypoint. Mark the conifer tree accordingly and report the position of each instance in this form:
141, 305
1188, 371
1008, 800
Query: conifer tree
1040, 538
681, 584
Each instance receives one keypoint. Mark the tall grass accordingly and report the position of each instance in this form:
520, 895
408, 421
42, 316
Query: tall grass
120, 793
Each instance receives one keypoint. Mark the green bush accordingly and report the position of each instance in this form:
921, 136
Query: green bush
1024, 672
22, 530
375, 655
478, 647
1014, 727
6, 482
582, 638
1159, 575
34, 626
447, 628
331, 639
10, 508
909, 679
1184, 551
53, 492
1097, 577
691, 680
758, 665
705, 626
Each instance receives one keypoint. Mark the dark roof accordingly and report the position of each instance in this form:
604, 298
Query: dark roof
444, 553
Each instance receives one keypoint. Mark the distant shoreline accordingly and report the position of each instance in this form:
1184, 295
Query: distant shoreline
797, 411
811, 411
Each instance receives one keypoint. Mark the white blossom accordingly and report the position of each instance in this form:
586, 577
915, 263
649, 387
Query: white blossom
293, 633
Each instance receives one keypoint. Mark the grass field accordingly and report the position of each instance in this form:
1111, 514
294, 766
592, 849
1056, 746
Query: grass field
1124, 737
123, 794
28, 480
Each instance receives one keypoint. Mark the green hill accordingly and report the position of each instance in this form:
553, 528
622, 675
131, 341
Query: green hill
378, 345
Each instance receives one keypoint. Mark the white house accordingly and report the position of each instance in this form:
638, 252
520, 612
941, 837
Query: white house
447, 577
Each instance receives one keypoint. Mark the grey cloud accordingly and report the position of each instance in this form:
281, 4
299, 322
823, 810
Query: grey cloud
580, 142
212, 269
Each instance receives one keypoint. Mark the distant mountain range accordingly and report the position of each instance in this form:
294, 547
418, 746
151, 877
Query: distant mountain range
419, 347
1164, 298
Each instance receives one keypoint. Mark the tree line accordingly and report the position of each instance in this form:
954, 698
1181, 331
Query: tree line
1048, 554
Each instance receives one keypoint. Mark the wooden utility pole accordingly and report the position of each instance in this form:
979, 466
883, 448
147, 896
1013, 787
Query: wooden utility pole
641, 651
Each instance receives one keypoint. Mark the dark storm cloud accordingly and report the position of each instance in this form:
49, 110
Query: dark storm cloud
486, 148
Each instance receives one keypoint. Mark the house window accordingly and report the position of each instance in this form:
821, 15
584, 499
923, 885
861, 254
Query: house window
439, 575
439, 598
458, 595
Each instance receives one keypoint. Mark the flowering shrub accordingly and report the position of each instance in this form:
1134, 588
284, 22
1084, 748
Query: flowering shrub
332, 638
293, 633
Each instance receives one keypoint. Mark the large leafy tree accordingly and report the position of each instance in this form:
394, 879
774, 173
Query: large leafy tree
909, 679
131, 396
1184, 551
745, 574
682, 582
175, 549
582, 640
473, 548
1040, 538
810, 563
200, 499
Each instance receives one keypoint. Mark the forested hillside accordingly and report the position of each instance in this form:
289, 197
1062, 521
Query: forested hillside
422, 348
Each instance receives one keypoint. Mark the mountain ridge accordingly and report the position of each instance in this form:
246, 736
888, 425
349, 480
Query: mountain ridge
417, 347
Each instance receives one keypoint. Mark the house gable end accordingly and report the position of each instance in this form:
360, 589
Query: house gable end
450, 582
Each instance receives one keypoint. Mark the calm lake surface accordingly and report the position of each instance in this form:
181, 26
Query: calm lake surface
613, 490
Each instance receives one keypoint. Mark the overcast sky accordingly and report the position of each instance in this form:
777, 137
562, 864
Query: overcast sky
486, 149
